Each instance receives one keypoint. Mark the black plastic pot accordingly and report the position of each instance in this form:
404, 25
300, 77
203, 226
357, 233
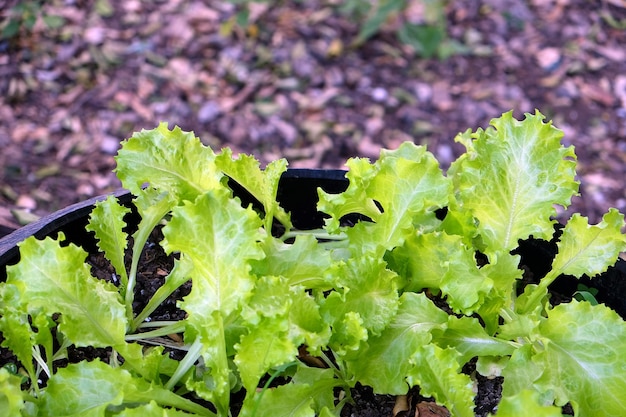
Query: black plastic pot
297, 193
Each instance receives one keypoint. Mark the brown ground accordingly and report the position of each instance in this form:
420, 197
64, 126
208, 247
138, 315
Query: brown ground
292, 87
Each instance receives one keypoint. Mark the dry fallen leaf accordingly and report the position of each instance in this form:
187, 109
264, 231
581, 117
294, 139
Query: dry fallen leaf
430, 409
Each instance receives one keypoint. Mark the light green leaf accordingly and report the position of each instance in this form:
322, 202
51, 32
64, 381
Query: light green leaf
56, 279
11, 395
384, 363
83, 389
305, 322
172, 161
442, 262
107, 222
504, 273
265, 347
304, 262
89, 389
437, 372
582, 249
262, 184
16, 329
468, 337
584, 360
287, 400
152, 206
590, 250
213, 383
271, 298
367, 288
520, 372
151, 410
407, 183
321, 383
511, 177
348, 334
311, 390
220, 238
491, 366
526, 403
269, 343
354, 199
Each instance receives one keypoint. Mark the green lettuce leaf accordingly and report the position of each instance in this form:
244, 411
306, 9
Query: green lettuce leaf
263, 348
107, 222
176, 278
262, 184
365, 287
219, 238
322, 382
526, 403
151, 410
310, 391
305, 322
16, 330
504, 274
11, 395
583, 358
443, 263
520, 372
171, 161
407, 183
437, 372
469, 338
384, 362
152, 206
582, 249
511, 177
269, 343
590, 250
304, 262
91, 389
55, 279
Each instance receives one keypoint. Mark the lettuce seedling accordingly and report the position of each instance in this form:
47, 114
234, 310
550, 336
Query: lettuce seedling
397, 301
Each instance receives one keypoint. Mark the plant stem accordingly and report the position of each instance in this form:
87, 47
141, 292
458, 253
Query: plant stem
275, 374
319, 234
190, 358
173, 327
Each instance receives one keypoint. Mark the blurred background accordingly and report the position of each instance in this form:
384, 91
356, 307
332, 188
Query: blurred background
314, 81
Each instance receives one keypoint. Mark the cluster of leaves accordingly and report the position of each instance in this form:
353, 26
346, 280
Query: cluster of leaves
428, 37
353, 298
24, 15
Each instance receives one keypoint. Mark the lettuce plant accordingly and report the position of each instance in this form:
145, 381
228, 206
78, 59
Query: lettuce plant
396, 301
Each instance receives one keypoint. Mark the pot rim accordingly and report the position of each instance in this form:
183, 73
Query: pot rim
58, 219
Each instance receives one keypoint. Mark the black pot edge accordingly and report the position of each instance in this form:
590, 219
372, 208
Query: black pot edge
54, 222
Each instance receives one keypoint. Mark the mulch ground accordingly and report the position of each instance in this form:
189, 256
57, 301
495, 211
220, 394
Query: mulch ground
291, 84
